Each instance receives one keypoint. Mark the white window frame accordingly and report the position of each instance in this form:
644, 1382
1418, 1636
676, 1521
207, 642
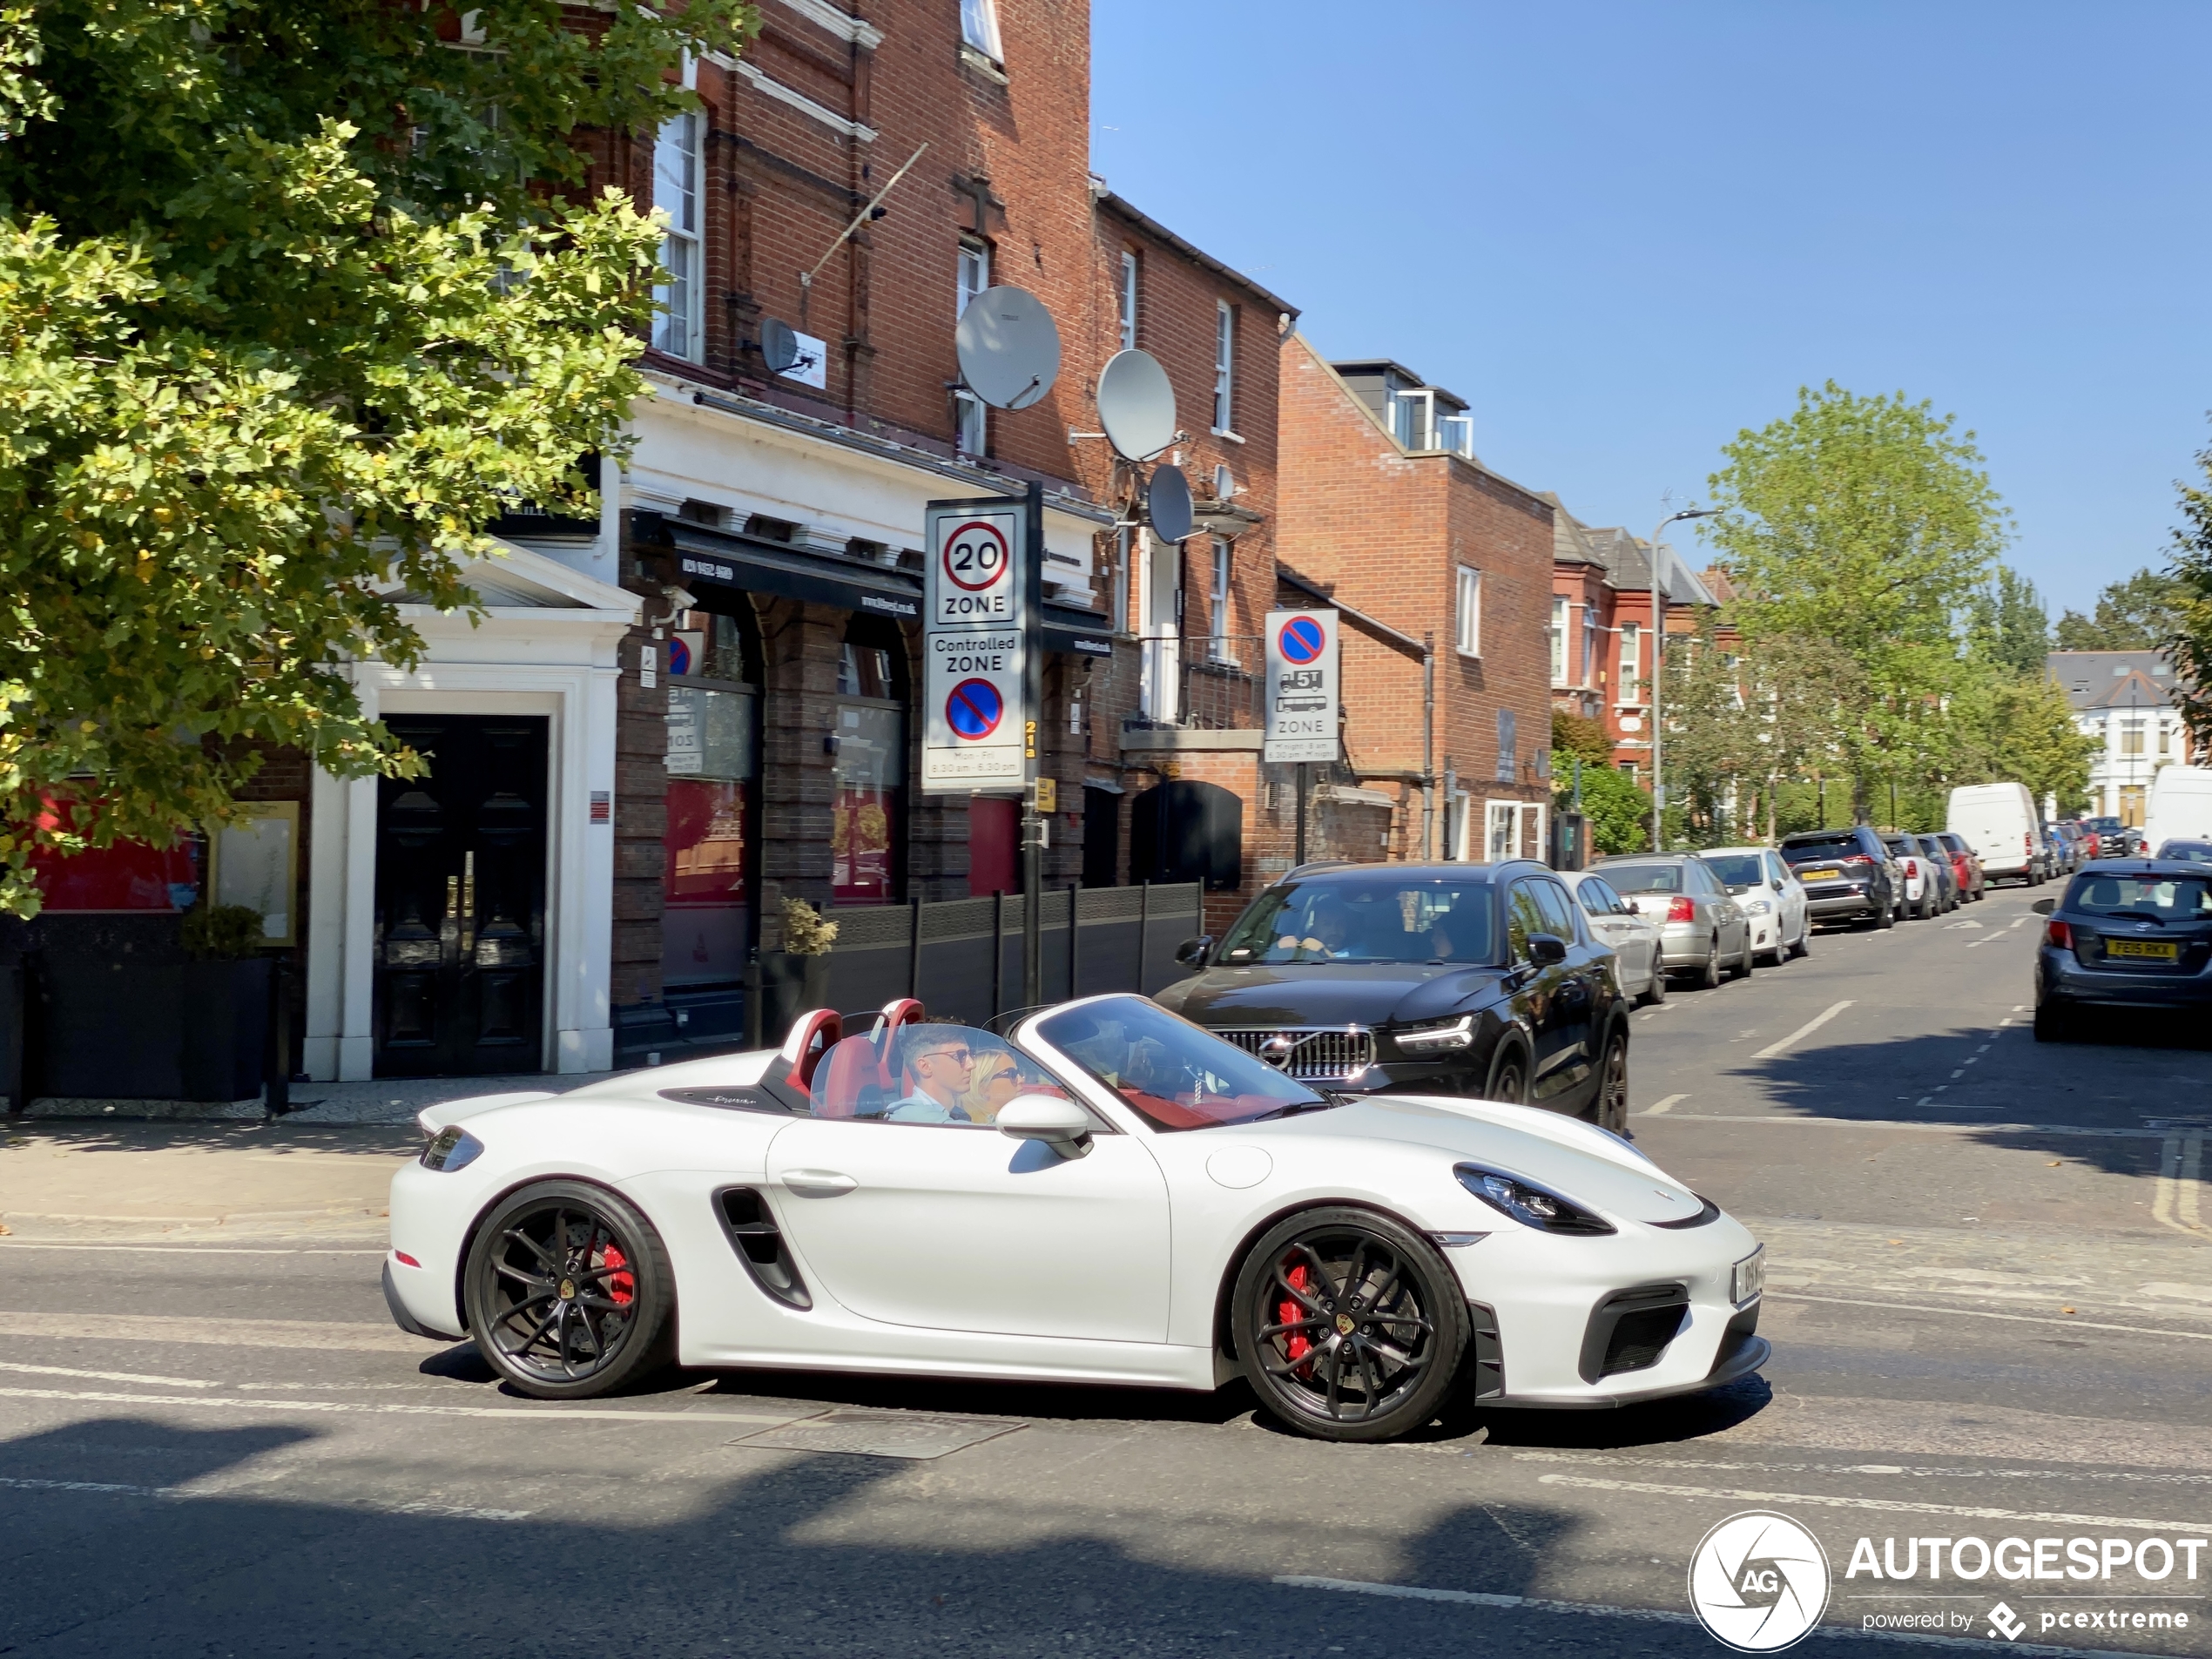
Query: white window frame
679, 326
1412, 418
971, 274
1561, 612
1589, 645
1127, 300
1224, 367
971, 424
1468, 610
1218, 601
978, 27
1630, 686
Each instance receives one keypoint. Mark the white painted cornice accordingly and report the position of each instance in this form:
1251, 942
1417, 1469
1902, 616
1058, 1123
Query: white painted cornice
804, 105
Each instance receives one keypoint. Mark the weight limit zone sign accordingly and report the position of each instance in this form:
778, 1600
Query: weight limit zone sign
1301, 685
974, 647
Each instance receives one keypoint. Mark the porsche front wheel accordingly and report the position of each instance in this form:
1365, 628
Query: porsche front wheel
569, 1291
1351, 1326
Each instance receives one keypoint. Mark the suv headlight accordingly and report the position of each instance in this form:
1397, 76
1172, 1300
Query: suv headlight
1527, 1204
453, 1148
1438, 1036
1759, 907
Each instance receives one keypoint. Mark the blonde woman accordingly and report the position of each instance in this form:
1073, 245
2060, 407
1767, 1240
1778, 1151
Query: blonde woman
997, 1080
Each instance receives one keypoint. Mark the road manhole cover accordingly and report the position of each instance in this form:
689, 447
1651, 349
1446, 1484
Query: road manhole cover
882, 1435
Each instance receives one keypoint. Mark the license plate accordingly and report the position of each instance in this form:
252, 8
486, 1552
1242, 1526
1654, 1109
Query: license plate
1810, 876
2151, 950
1748, 1279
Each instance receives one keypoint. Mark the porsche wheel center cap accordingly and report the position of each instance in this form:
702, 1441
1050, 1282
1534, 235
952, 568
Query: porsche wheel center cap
1344, 1325
568, 1290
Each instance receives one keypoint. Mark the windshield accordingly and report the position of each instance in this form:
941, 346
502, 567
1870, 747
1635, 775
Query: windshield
2148, 898
1646, 877
2188, 852
1737, 869
1827, 850
1364, 918
1175, 1075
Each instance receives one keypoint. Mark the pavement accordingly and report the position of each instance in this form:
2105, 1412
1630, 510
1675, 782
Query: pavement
1990, 1298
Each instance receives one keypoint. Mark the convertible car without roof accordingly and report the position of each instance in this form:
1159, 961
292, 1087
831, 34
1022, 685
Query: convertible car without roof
1104, 1194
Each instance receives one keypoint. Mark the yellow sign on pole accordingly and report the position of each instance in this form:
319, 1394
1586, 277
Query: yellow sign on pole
1048, 795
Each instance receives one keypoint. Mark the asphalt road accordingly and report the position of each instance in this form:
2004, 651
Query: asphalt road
1990, 1298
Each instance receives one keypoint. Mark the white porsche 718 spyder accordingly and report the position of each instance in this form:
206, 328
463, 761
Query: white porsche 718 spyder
1107, 1195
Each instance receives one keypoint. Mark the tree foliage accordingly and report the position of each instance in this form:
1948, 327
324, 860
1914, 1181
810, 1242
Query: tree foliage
295, 298
2188, 637
2007, 623
1867, 523
1573, 734
2139, 612
1619, 812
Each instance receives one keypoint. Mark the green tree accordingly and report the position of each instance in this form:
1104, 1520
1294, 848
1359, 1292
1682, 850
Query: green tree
2188, 636
1619, 812
2135, 613
2009, 623
1709, 739
294, 297
1867, 523
1575, 735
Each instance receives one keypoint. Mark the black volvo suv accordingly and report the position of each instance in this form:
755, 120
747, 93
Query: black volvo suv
1447, 978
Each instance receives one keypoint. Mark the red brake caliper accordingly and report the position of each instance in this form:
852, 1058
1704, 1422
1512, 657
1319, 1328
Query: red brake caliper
1285, 1313
620, 1286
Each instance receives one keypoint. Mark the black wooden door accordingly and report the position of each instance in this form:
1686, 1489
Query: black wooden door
460, 899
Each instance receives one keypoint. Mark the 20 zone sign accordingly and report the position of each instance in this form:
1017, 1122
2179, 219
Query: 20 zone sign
976, 568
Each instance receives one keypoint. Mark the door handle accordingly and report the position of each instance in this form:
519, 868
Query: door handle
819, 1183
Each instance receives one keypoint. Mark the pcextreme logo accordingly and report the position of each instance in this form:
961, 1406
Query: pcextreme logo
1759, 1581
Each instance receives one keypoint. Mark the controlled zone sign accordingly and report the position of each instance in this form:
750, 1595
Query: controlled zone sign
1301, 685
972, 687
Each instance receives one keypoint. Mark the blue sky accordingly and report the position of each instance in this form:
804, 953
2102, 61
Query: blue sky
1624, 231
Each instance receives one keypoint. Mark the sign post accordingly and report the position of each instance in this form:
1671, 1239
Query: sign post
1033, 713
1301, 697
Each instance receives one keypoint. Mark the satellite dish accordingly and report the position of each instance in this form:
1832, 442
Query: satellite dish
1009, 350
779, 345
1167, 502
1136, 405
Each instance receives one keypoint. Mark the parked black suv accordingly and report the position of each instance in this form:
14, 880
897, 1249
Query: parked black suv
1848, 874
1448, 979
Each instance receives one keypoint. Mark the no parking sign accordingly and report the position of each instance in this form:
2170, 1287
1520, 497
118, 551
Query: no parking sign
1301, 685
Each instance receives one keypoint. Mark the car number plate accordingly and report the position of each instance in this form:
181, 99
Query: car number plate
1809, 876
1749, 1277
2154, 950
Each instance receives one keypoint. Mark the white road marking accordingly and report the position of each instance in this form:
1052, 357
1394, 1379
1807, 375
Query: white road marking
1929, 1128
1804, 1030
1985, 1313
1653, 1014
325, 1335
2175, 1201
397, 1409
1903, 1506
1984, 1048
180, 1250
108, 1376
1666, 1105
1688, 1465
442, 1511
1654, 1615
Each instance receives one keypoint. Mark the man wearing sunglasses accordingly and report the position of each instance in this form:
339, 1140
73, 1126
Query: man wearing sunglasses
941, 1062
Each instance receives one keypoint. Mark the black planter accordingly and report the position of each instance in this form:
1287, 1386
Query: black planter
134, 1029
790, 985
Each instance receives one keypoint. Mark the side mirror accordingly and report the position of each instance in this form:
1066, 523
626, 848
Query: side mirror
1191, 952
1778, 887
1061, 1124
1547, 950
2044, 906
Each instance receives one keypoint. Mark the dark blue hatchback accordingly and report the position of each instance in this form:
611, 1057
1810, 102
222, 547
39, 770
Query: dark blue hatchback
2130, 933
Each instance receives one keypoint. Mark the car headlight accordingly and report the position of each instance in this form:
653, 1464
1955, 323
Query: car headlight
1438, 1036
1759, 907
453, 1148
1527, 1204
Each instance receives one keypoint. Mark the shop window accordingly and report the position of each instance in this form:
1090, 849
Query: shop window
713, 781
128, 876
869, 765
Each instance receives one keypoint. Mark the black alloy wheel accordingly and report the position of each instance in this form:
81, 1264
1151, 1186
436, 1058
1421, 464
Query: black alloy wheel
1509, 1079
1351, 1326
1612, 1103
569, 1291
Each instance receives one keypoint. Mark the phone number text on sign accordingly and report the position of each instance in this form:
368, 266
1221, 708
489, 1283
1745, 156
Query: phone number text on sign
975, 561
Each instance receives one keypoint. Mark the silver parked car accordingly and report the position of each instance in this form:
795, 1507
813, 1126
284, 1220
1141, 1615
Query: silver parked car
1632, 937
1702, 929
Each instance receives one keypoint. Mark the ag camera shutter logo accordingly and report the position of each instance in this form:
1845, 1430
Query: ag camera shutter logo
1758, 1581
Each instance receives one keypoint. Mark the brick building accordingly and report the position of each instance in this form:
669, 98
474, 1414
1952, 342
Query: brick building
1387, 510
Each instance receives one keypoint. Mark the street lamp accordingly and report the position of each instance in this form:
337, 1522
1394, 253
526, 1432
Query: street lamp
1659, 663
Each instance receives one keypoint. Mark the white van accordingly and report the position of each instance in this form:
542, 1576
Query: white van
1999, 822
2181, 807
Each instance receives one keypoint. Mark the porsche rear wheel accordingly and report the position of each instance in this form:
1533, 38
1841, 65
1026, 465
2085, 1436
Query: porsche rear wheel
1351, 1326
569, 1291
